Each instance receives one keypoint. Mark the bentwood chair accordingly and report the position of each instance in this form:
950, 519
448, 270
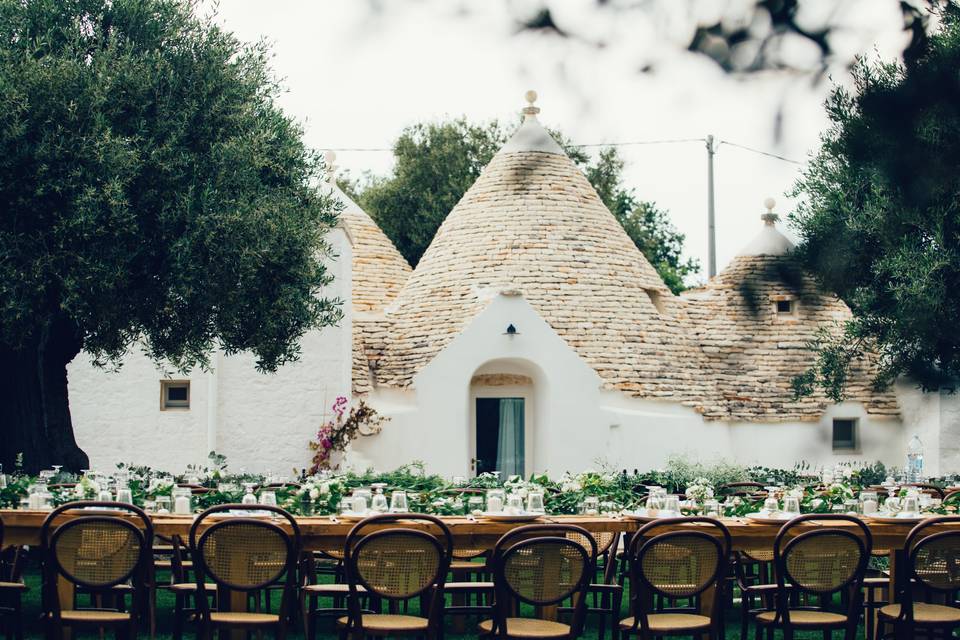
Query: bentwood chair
754, 573
396, 564
242, 555
314, 565
98, 553
604, 594
143, 593
540, 565
673, 560
819, 562
933, 571
11, 589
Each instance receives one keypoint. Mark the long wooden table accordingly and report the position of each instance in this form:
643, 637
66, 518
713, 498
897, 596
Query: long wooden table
320, 533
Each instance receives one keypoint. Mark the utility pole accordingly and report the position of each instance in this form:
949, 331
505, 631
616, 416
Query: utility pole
711, 224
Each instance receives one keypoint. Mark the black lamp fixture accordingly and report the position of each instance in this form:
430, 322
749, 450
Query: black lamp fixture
511, 331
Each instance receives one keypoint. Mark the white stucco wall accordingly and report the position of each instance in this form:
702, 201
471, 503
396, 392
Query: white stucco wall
935, 417
576, 425
260, 421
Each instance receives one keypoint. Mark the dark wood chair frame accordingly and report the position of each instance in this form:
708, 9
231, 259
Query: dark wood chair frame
201, 571
607, 594
905, 626
643, 593
514, 541
431, 595
11, 597
146, 608
54, 571
789, 588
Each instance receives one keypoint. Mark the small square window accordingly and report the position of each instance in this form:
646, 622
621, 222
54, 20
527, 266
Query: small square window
845, 434
174, 394
784, 306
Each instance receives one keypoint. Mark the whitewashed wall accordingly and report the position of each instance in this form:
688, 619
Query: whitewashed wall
576, 425
259, 421
935, 418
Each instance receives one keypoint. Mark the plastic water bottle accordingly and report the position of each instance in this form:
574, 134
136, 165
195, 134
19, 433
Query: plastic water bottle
915, 460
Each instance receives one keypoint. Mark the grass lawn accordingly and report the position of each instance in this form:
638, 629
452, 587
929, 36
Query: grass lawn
165, 608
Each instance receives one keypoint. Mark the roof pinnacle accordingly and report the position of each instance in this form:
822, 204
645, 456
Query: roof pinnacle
769, 218
530, 111
331, 169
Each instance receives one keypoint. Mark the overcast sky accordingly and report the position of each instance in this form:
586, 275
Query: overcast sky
357, 72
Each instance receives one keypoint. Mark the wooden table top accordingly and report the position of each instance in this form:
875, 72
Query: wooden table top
325, 532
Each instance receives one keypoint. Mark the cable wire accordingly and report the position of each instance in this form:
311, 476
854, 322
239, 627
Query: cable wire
763, 153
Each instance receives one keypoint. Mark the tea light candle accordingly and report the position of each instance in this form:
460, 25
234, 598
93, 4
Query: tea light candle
182, 505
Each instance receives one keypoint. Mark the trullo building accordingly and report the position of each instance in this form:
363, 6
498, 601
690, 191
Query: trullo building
532, 336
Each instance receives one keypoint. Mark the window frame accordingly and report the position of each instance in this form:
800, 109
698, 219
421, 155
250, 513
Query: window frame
854, 440
174, 405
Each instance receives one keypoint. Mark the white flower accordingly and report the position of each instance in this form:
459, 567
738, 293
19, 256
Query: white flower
324, 488
314, 493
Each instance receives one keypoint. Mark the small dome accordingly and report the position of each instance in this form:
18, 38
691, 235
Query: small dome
769, 242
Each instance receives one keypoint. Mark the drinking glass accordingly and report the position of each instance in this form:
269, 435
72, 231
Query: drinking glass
163, 504
711, 508
791, 505
911, 505
268, 498
514, 504
770, 505
671, 504
182, 500
475, 505
150, 506
124, 495
535, 503
103, 496
591, 506
358, 501
868, 502
654, 503
398, 502
346, 506
495, 499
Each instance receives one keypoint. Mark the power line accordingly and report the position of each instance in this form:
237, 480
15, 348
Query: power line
629, 143
763, 153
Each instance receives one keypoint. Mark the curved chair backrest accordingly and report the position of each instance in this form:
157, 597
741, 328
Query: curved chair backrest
927, 488
682, 561
543, 565
96, 552
934, 558
397, 562
89, 507
822, 560
270, 552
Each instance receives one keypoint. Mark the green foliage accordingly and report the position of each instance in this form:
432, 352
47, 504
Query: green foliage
880, 219
151, 188
435, 164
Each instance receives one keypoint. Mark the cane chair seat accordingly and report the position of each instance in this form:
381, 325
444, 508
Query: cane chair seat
804, 618
95, 617
333, 588
389, 623
13, 586
243, 618
463, 586
529, 628
672, 622
190, 587
924, 613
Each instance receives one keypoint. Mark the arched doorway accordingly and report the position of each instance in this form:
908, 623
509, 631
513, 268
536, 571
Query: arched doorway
502, 399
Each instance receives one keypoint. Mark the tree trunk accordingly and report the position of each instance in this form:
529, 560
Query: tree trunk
34, 406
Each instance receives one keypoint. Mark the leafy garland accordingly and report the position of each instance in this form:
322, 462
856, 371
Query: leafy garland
321, 493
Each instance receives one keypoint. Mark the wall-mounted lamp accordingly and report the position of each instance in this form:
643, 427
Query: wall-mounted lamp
511, 331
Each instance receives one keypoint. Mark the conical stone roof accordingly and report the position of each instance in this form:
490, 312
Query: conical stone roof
532, 225
753, 351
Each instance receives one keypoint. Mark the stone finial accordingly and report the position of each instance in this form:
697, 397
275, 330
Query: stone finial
531, 110
329, 158
769, 218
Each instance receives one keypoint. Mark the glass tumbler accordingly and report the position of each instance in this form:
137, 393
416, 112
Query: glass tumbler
535, 503
398, 502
